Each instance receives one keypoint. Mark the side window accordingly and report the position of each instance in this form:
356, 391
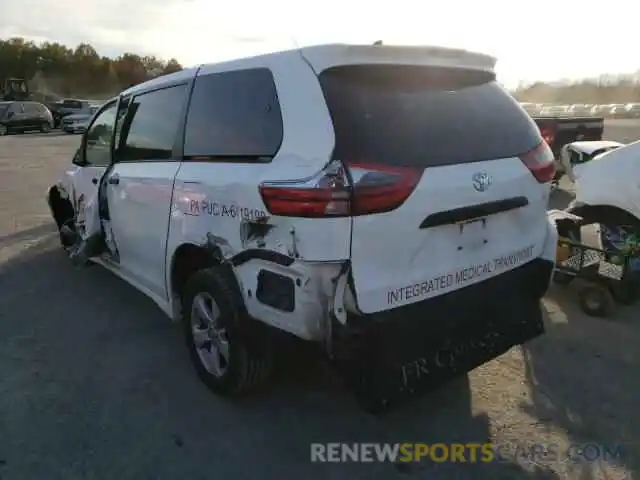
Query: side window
151, 124
122, 112
98, 138
234, 115
15, 108
32, 109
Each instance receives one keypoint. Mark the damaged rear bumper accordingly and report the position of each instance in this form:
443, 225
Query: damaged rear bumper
394, 354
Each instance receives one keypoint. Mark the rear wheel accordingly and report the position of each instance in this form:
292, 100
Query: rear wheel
45, 127
596, 300
226, 357
625, 293
3, 130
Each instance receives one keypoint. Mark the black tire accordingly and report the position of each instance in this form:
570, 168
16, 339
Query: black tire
250, 358
68, 235
625, 293
45, 128
64, 215
4, 130
596, 300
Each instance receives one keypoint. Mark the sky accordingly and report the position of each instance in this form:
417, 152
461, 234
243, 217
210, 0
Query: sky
532, 40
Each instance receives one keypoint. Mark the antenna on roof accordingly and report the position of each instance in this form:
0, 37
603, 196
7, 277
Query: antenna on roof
378, 42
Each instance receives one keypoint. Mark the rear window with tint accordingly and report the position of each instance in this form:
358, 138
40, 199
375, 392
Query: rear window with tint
234, 116
423, 116
72, 104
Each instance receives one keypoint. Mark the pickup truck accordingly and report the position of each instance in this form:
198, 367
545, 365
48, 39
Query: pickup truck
66, 107
77, 122
558, 131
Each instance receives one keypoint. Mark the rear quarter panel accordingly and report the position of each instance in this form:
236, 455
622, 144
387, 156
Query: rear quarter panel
219, 200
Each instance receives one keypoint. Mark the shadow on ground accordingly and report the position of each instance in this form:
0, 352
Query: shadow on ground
96, 383
583, 380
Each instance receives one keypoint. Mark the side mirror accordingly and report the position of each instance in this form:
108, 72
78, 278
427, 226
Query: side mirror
78, 158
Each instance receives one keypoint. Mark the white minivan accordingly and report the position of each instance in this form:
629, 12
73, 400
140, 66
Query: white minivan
387, 203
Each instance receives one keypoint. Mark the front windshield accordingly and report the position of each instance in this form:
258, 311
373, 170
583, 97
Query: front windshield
600, 152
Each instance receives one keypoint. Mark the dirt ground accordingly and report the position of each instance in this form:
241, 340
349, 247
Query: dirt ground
95, 382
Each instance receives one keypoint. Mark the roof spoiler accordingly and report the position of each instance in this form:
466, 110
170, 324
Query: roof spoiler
322, 57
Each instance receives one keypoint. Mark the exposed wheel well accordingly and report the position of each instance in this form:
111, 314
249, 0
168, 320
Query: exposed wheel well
597, 213
187, 260
61, 208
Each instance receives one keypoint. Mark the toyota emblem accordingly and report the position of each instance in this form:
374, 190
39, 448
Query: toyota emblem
481, 181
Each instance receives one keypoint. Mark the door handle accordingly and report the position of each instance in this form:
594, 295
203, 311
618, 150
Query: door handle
114, 180
94, 181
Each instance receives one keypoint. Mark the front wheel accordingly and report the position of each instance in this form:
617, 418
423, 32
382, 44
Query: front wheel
227, 359
3, 130
45, 128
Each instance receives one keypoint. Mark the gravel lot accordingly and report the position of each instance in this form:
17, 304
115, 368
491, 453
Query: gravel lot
95, 383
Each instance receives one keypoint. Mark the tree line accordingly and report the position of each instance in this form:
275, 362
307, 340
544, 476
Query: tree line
607, 90
53, 69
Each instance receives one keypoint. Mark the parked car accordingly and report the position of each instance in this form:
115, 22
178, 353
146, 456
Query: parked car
599, 110
562, 130
618, 111
77, 122
606, 193
70, 106
386, 203
554, 110
579, 155
24, 116
55, 113
633, 110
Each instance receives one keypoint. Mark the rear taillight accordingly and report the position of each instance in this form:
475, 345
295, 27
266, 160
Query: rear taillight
336, 192
541, 162
379, 188
548, 134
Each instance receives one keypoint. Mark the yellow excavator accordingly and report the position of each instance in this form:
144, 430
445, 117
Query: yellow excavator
15, 89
